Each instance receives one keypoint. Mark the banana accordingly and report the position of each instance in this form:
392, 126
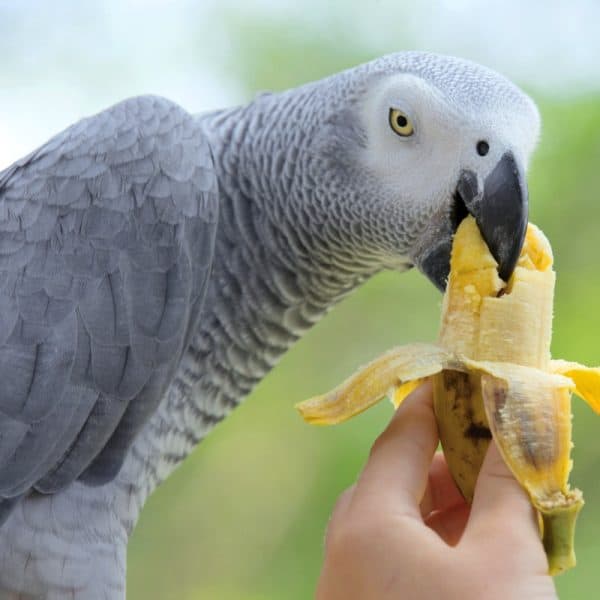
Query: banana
493, 376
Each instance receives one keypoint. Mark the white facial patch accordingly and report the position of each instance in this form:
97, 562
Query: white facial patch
425, 166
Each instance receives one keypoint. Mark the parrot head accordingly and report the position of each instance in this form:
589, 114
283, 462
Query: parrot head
412, 143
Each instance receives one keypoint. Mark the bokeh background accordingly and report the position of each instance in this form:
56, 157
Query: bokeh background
244, 517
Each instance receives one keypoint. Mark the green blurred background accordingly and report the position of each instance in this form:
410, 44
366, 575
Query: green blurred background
244, 517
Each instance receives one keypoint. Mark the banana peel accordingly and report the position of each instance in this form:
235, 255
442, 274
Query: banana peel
492, 376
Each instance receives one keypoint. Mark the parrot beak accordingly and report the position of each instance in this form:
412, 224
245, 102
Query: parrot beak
500, 210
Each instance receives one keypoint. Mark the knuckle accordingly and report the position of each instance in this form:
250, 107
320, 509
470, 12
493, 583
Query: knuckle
378, 444
497, 469
387, 435
345, 538
350, 538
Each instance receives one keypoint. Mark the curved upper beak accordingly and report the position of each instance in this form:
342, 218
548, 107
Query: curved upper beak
500, 210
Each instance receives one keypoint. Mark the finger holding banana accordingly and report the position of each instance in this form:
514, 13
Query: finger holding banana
492, 376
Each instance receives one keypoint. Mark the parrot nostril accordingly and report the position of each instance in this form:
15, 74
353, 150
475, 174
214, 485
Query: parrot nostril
482, 148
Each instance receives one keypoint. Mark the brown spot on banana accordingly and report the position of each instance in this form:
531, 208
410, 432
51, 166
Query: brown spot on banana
461, 419
527, 423
478, 432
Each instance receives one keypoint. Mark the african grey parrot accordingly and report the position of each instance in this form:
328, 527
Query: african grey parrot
154, 265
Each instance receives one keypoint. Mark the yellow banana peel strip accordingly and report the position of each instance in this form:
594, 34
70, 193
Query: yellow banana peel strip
586, 380
397, 368
492, 376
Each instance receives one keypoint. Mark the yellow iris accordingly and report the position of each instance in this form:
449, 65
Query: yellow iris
400, 123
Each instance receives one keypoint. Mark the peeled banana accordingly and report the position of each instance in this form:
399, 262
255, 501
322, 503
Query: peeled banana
492, 377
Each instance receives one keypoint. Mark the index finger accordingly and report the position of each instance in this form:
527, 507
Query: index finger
397, 470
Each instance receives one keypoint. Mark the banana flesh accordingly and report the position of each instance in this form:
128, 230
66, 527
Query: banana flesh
493, 376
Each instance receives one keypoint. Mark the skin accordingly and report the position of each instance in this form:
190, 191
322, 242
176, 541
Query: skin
404, 531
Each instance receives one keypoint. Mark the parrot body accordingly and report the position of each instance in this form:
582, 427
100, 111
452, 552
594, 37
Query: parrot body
154, 266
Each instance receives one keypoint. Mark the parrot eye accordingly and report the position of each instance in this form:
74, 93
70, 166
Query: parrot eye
400, 123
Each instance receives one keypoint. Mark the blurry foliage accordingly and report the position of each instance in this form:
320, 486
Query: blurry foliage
275, 56
244, 517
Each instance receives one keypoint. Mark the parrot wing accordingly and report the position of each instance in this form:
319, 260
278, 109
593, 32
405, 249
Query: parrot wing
106, 243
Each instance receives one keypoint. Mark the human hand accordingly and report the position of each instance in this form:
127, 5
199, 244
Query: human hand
404, 531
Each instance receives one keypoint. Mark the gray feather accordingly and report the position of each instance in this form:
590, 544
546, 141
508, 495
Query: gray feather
106, 241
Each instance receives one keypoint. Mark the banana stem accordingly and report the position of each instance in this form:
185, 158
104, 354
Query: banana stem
559, 532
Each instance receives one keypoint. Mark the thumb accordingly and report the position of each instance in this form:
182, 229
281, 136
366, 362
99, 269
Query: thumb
501, 508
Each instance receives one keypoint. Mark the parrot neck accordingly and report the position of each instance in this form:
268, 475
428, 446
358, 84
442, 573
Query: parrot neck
268, 287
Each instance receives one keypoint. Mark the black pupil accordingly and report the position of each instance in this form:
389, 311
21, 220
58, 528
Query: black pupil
401, 121
482, 148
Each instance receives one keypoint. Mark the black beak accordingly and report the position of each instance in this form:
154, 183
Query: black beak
500, 210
